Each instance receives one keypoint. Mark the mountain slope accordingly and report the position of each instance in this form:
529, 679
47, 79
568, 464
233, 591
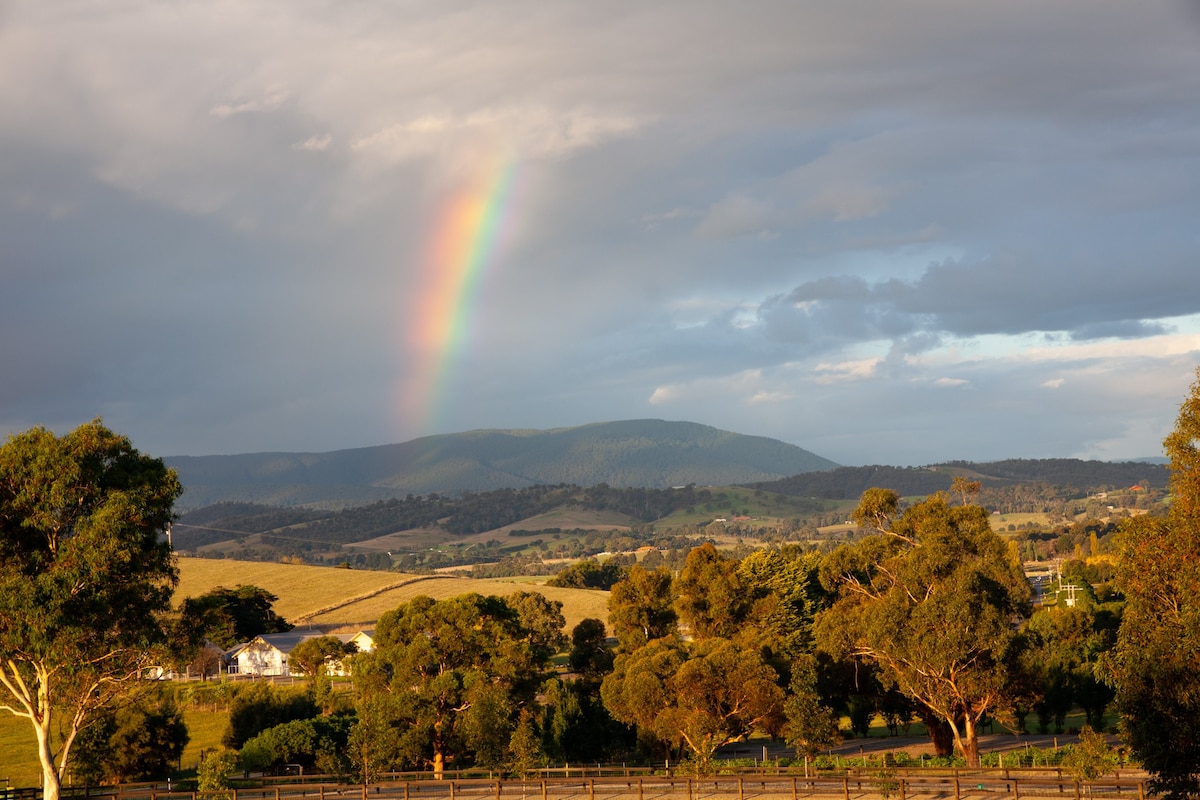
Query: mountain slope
846, 483
642, 453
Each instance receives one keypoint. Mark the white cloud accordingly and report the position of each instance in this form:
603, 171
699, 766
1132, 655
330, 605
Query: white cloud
527, 132
664, 395
846, 370
270, 102
315, 144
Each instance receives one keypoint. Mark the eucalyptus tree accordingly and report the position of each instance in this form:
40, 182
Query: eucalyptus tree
935, 598
86, 577
641, 607
450, 677
1154, 664
695, 697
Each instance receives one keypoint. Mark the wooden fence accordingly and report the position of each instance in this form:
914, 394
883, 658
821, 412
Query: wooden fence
898, 784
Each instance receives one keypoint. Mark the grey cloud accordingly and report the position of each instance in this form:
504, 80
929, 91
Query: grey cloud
217, 223
1000, 295
1118, 329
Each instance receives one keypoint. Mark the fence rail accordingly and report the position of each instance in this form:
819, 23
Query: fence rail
861, 784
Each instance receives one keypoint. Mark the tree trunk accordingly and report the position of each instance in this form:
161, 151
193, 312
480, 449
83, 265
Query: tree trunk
50, 782
439, 764
940, 734
970, 742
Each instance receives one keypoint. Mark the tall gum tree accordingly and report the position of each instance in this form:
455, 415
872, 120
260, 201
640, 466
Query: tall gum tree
86, 579
1156, 662
935, 598
450, 676
697, 697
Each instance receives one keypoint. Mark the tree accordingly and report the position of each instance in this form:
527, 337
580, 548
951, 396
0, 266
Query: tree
1091, 757
640, 607
86, 578
214, 770
542, 619
316, 742
702, 698
964, 487
934, 598
710, 596
260, 706
524, 747
590, 656
314, 656
229, 616
138, 742
811, 725
576, 727
1158, 646
452, 674
786, 591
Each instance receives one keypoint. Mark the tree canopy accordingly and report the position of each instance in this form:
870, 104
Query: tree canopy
449, 677
229, 616
1154, 664
935, 599
86, 578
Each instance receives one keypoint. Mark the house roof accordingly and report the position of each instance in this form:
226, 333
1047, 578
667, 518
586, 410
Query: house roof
286, 642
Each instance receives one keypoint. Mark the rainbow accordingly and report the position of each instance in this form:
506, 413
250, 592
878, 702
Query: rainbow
466, 236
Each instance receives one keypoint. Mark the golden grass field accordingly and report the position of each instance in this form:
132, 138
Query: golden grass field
331, 597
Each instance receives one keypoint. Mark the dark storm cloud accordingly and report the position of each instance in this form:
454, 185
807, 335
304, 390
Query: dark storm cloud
936, 227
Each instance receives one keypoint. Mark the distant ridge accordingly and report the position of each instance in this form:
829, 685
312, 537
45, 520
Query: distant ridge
644, 453
846, 483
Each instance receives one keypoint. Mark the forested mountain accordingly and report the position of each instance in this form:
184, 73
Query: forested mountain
641, 453
847, 483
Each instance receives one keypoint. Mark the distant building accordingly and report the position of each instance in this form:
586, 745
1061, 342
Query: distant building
267, 655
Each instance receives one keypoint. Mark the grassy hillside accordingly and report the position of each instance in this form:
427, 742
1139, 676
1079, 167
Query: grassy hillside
332, 597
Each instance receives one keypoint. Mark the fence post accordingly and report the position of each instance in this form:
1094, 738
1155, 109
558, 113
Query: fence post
499, 783
1016, 789
451, 790
406, 790
591, 789
902, 787
793, 788
846, 786
1077, 795
640, 788
689, 785
741, 794
957, 796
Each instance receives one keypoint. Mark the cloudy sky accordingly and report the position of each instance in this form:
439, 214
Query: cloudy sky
888, 232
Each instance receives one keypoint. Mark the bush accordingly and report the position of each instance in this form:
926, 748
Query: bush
260, 706
316, 742
135, 743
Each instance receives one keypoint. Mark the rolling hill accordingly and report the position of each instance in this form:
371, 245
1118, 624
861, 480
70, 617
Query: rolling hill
333, 598
641, 453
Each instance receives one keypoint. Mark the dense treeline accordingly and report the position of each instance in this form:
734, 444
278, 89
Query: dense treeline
846, 483
1086, 476
1071, 477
